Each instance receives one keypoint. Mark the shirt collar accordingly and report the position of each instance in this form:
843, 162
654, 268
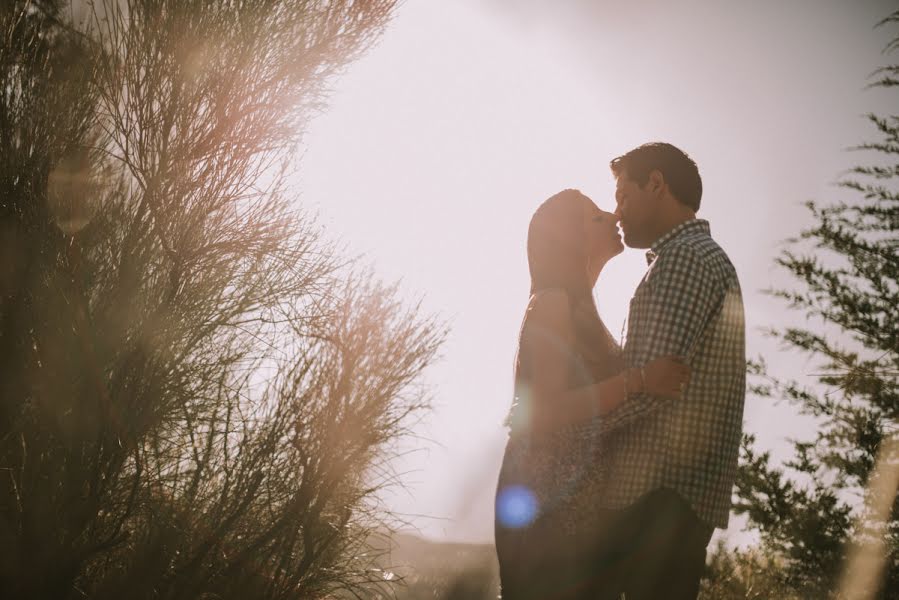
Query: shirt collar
693, 225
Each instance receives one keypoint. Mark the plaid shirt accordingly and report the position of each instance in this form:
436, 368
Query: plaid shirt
689, 304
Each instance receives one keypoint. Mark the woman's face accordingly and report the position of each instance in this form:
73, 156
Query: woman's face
603, 241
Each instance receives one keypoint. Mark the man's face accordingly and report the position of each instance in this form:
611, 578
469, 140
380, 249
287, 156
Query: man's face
636, 207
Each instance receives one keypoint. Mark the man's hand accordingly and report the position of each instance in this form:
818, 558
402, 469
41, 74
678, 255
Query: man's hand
666, 377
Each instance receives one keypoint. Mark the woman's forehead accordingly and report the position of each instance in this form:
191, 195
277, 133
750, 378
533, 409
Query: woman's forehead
592, 209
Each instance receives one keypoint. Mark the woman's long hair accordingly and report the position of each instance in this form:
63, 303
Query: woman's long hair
557, 255
557, 258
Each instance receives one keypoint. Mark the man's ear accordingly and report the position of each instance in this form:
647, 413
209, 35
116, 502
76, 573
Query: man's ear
656, 183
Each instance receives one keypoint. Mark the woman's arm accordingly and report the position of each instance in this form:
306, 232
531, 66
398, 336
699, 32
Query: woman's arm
548, 341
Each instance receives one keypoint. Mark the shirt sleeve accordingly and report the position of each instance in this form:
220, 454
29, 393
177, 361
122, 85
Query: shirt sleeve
681, 296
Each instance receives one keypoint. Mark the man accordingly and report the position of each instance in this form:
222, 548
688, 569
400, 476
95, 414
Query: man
671, 464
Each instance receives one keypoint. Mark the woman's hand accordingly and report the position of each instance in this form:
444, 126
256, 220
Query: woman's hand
666, 377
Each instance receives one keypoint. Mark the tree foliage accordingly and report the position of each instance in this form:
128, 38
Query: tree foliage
829, 518
198, 395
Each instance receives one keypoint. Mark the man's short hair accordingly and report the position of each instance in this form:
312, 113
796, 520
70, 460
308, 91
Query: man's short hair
678, 169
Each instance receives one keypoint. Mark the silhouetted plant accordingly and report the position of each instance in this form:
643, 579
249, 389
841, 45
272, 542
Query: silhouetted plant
829, 518
199, 395
748, 574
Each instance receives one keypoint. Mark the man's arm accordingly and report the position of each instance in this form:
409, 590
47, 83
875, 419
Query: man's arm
547, 340
681, 297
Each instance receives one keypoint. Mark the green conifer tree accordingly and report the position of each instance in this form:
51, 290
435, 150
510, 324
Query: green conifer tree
828, 518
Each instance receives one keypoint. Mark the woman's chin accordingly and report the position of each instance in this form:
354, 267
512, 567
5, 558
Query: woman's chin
611, 253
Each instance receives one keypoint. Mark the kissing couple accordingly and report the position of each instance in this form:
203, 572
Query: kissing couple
621, 457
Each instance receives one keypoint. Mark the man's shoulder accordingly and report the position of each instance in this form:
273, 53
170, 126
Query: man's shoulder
690, 256
700, 249
686, 251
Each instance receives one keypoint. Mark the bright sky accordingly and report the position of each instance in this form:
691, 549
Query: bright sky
440, 143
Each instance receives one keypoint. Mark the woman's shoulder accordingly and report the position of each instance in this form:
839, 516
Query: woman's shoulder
549, 302
549, 309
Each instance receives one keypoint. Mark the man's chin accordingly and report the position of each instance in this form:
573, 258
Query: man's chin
632, 241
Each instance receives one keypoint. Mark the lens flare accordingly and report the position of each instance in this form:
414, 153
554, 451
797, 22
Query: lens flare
516, 506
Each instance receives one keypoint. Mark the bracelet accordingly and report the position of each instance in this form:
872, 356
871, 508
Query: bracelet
627, 376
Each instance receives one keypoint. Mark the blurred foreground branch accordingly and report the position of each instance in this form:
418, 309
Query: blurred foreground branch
198, 394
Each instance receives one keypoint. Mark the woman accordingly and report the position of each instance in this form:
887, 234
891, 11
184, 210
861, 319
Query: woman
568, 372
